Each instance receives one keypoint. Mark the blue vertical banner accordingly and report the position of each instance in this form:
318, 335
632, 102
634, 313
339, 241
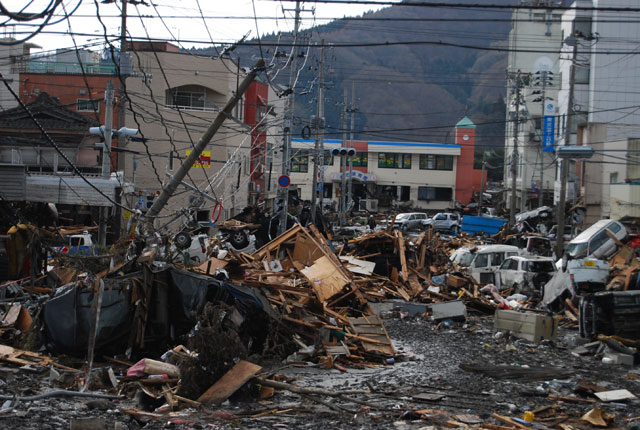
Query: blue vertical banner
548, 126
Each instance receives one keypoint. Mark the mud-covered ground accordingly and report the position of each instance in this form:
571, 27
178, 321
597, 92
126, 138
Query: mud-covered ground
426, 375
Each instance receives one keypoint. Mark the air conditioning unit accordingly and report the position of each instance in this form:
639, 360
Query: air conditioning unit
370, 205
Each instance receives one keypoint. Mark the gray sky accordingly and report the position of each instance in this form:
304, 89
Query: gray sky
181, 20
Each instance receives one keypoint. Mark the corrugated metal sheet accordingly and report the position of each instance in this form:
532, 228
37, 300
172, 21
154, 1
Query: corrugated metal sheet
70, 190
12, 178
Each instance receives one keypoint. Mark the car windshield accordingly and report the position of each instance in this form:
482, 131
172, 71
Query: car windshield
466, 259
540, 266
402, 216
576, 250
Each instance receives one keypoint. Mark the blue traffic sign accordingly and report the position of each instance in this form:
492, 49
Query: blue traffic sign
284, 181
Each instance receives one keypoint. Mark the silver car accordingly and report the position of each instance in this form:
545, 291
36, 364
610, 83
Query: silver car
410, 221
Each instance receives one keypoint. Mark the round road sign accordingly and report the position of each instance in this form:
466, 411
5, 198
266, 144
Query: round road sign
284, 181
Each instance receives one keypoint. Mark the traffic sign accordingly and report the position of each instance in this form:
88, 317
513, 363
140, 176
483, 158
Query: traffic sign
284, 181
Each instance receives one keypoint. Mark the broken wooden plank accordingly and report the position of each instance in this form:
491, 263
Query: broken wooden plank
325, 278
18, 356
371, 327
229, 383
403, 258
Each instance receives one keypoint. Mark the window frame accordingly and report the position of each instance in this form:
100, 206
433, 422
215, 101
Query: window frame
88, 103
398, 160
435, 162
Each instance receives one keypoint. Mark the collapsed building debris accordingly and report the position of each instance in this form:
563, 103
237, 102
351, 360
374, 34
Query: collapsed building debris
301, 300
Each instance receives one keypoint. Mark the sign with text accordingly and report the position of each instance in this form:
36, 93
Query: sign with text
205, 159
548, 127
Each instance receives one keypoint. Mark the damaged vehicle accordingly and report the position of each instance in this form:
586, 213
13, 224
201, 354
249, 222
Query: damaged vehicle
598, 240
481, 262
532, 245
526, 274
443, 222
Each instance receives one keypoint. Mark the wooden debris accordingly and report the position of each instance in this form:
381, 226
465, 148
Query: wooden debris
229, 383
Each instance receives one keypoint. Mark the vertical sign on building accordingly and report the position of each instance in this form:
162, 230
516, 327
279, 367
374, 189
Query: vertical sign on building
548, 126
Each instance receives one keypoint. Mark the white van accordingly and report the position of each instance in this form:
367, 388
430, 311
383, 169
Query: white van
595, 242
481, 262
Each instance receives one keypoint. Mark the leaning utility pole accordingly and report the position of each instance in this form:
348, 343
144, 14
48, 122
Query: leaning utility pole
352, 109
288, 123
106, 158
318, 158
564, 164
226, 112
514, 154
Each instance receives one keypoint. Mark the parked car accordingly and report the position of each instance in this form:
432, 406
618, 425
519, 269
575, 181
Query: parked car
595, 241
532, 245
443, 221
481, 262
410, 221
526, 274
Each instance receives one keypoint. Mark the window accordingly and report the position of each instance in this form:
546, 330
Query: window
405, 193
582, 25
189, 97
613, 177
88, 105
327, 190
505, 265
392, 160
361, 159
497, 258
300, 161
614, 227
439, 194
482, 260
327, 159
441, 217
261, 110
436, 162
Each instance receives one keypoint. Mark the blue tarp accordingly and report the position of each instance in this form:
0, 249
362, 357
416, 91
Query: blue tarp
482, 225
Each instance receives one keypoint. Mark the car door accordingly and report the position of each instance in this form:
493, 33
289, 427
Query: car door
505, 274
482, 268
440, 222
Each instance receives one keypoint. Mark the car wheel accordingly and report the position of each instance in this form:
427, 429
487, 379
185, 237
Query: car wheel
182, 240
455, 229
239, 239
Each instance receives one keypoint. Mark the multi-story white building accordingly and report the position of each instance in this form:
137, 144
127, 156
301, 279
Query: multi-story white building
534, 40
605, 115
420, 175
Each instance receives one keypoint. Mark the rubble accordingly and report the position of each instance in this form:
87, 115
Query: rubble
261, 328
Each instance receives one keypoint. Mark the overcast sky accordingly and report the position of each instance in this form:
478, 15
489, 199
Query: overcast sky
181, 19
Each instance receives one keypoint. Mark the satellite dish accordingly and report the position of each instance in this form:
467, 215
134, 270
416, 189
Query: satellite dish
543, 64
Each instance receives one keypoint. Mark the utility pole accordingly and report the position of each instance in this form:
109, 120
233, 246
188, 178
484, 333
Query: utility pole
343, 162
288, 122
318, 158
514, 154
106, 158
352, 109
181, 172
484, 156
544, 100
564, 164
121, 100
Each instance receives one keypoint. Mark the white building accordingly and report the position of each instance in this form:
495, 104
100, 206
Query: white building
12, 61
532, 31
605, 105
405, 174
